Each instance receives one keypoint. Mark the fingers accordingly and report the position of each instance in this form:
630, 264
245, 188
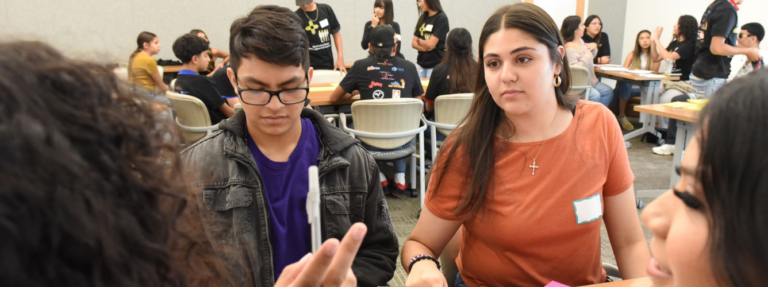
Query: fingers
351, 280
342, 262
292, 271
315, 270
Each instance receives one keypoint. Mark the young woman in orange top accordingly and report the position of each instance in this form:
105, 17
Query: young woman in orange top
531, 174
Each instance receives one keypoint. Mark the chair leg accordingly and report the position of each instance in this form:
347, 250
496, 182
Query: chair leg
433, 134
421, 163
413, 172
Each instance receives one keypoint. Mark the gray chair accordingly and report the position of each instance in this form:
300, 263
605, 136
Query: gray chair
191, 116
449, 111
580, 82
389, 124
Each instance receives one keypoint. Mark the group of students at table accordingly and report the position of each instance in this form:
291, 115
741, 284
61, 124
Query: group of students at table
95, 193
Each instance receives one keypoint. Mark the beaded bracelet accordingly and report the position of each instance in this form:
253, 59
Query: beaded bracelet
420, 257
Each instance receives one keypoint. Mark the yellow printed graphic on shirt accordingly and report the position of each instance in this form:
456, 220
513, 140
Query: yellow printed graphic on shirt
311, 27
426, 31
396, 85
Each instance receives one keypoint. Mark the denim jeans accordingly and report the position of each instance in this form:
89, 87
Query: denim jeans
424, 73
704, 89
601, 93
625, 90
399, 164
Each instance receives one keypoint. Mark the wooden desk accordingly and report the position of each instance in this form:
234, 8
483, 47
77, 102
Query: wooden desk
649, 95
320, 94
348, 64
640, 282
686, 129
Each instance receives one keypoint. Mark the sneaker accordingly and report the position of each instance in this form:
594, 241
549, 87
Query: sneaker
666, 149
625, 124
399, 189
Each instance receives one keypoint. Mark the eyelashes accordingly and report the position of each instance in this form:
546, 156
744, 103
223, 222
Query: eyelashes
688, 199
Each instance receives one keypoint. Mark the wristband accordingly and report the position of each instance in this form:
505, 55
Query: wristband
420, 257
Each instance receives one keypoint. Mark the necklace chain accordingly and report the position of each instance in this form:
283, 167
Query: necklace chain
316, 16
534, 166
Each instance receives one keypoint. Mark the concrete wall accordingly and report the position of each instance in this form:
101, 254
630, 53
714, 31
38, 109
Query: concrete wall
106, 30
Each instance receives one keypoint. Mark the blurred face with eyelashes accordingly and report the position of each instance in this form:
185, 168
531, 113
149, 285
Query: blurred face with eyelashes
679, 221
519, 71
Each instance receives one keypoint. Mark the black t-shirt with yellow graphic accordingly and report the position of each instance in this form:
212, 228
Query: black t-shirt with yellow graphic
320, 26
433, 26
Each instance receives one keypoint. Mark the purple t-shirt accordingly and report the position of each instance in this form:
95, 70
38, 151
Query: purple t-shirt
286, 185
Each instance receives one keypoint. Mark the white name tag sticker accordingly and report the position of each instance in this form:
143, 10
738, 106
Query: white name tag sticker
324, 23
395, 94
588, 209
398, 37
429, 28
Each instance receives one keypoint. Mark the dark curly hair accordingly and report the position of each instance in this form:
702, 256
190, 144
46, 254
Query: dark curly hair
188, 46
687, 27
91, 191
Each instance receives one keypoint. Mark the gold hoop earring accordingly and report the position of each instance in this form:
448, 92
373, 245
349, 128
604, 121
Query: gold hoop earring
557, 81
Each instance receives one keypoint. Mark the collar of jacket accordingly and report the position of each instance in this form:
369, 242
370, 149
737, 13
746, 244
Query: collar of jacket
332, 139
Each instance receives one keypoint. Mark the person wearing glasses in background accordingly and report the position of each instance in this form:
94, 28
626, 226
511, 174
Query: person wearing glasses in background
750, 37
251, 176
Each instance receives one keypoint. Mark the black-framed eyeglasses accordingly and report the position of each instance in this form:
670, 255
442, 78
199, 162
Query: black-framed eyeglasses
257, 97
744, 35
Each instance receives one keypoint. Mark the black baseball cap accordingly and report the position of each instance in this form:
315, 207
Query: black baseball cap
302, 2
383, 36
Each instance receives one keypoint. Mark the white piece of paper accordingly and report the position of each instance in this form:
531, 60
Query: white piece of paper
640, 71
614, 69
324, 23
588, 209
654, 76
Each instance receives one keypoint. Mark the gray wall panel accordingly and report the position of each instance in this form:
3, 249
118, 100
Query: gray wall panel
613, 14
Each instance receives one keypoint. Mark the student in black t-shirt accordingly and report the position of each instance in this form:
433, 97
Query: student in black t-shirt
226, 90
383, 76
429, 36
320, 23
193, 53
455, 74
595, 38
682, 51
717, 37
383, 14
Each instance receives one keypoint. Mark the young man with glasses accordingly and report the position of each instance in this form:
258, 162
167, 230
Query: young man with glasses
251, 176
717, 44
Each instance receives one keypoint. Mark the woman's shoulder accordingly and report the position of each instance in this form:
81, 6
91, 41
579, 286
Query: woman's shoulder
603, 35
594, 112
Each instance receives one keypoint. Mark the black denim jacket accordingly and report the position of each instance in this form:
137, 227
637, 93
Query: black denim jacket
232, 203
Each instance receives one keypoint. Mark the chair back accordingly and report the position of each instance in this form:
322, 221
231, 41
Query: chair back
387, 116
450, 109
160, 70
121, 73
326, 76
173, 85
190, 112
579, 81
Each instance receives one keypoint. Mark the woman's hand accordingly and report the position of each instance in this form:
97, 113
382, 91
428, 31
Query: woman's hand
374, 20
424, 273
330, 266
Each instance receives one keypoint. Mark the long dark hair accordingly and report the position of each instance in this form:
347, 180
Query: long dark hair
599, 37
570, 24
91, 193
144, 37
475, 141
434, 5
734, 177
637, 61
459, 56
389, 13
